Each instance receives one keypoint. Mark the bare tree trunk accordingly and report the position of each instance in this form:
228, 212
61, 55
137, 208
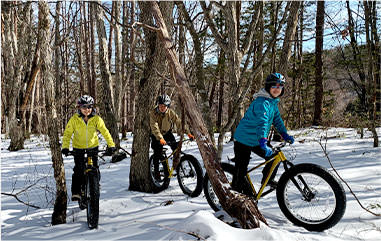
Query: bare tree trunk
13, 54
319, 63
57, 67
93, 85
292, 22
199, 68
245, 210
140, 179
60, 205
119, 82
374, 65
132, 87
110, 116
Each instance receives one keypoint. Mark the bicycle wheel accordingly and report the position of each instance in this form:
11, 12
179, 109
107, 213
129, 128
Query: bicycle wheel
209, 193
309, 196
189, 175
159, 175
92, 190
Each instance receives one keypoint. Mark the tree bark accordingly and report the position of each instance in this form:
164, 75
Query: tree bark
60, 205
109, 110
292, 22
319, 64
13, 55
149, 85
237, 205
374, 65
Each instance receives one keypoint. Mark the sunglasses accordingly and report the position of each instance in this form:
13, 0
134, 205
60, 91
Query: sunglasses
277, 86
86, 107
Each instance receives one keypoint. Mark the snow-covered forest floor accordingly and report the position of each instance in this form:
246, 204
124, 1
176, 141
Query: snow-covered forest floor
170, 215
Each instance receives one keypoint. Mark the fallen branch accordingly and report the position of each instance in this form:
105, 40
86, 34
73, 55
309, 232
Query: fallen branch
21, 191
324, 148
21, 201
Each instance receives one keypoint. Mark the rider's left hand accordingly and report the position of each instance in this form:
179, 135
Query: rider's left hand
110, 151
288, 138
191, 137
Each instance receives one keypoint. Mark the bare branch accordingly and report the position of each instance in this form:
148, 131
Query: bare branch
324, 148
213, 28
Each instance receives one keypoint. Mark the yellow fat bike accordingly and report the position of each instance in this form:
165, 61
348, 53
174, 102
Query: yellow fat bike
307, 194
188, 171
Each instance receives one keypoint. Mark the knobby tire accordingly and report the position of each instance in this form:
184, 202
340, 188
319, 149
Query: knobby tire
187, 171
92, 187
325, 203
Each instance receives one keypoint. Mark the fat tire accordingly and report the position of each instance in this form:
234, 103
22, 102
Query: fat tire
163, 183
208, 190
196, 170
92, 184
339, 193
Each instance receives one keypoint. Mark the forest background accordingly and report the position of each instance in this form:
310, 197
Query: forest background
54, 52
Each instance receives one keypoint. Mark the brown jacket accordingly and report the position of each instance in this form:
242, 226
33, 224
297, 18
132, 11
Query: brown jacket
161, 123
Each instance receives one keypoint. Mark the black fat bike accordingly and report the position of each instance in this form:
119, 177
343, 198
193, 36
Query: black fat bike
90, 189
307, 194
188, 171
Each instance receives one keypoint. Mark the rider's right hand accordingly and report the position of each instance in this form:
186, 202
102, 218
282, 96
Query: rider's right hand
65, 151
163, 142
265, 147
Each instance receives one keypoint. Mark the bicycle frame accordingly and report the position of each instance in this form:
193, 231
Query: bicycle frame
278, 158
166, 158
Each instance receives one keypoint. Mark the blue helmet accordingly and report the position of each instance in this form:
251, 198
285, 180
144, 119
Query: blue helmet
273, 79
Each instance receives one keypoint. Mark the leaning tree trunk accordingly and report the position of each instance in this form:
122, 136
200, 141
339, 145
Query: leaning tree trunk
148, 88
109, 110
237, 205
60, 205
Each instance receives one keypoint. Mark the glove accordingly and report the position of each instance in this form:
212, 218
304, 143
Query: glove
110, 151
191, 137
65, 151
263, 145
163, 142
288, 138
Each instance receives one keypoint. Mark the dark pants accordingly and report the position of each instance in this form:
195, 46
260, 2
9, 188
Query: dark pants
158, 148
78, 177
242, 157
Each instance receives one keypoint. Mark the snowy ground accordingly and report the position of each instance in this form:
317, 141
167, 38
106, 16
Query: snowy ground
142, 216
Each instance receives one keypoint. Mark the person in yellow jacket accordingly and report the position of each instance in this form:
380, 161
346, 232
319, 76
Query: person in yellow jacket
84, 125
162, 121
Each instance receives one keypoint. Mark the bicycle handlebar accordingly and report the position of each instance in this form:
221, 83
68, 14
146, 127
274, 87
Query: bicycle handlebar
281, 145
176, 142
72, 152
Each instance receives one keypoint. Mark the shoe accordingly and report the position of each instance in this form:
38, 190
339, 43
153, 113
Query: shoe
75, 197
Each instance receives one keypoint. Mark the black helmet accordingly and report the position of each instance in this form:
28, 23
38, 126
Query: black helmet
164, 100
85, 100
273, 79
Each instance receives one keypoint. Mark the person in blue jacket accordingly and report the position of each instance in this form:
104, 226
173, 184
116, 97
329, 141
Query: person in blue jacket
253, 129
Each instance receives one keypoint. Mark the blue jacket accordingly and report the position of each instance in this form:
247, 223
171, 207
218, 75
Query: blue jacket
256, 124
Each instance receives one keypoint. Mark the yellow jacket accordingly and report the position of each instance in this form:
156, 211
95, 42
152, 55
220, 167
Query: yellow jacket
85, 135
161, 123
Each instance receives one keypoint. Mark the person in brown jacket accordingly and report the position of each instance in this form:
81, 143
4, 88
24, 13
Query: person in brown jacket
162, 121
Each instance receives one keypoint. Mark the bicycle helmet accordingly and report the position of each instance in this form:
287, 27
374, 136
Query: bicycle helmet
273, 79
85, 100
164, 100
